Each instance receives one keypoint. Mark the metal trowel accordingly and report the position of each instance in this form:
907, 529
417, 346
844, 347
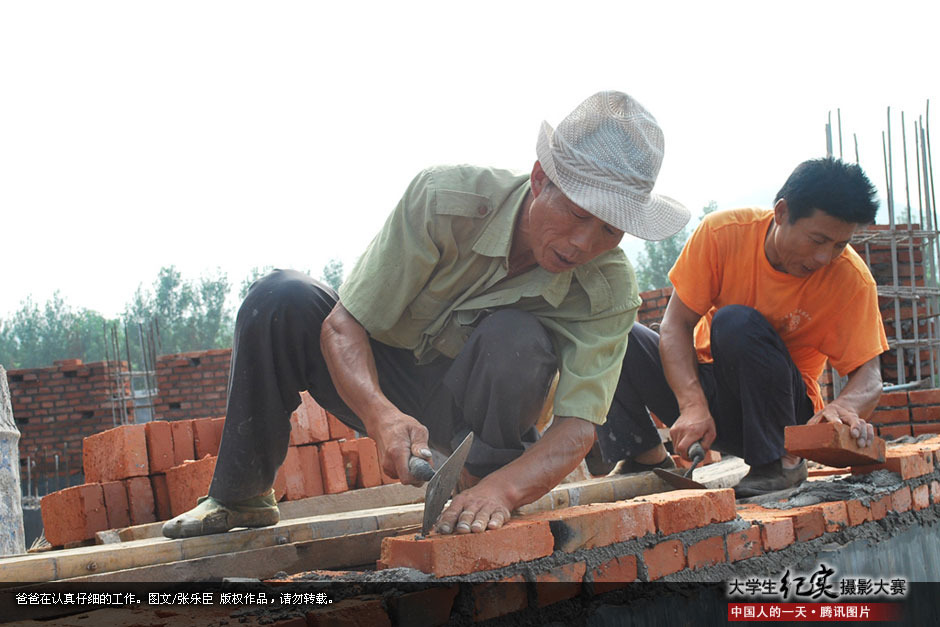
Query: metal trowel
441, 484
684, 482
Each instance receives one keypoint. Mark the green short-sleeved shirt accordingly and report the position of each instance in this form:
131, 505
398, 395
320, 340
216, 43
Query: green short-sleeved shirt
437, 267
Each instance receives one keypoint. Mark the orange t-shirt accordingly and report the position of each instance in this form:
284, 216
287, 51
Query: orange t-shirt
833, 313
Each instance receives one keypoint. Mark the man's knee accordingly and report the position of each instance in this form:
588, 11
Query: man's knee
517, 347
735, 327
282, 290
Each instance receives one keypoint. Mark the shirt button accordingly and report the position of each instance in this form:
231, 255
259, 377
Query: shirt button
481, 210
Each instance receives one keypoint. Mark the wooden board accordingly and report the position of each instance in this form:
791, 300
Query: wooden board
352, 500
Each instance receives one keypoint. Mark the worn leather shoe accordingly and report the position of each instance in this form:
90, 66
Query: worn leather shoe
770, 477
630, 466
212, 516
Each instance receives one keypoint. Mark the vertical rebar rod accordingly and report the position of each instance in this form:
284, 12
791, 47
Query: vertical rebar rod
130, 367
899, 349
915, 305
57, 472
107, 371
839, 117
855, 137
933, 202
829, 136
930, 247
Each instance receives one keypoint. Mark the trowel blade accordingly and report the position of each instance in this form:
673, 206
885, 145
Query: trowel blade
678, 481
442, 484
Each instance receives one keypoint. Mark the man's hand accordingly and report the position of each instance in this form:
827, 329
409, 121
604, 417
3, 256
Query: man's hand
398, 437
694, 425
863, 432
484, 506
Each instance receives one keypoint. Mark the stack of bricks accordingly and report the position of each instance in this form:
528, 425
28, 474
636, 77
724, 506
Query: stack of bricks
192, 385
56, 407
137, 474
913, 412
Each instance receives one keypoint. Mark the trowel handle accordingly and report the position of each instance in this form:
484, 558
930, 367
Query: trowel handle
696, 452
421, 469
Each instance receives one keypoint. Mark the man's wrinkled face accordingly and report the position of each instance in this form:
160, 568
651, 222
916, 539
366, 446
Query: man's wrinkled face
563, 235
808, 244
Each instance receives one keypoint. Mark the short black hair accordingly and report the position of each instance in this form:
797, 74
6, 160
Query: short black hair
833, 186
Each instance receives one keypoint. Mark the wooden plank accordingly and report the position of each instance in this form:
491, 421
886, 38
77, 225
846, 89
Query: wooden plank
352, 500
342, 552
69, 563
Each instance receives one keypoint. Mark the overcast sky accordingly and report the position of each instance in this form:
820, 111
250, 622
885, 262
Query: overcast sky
135, 135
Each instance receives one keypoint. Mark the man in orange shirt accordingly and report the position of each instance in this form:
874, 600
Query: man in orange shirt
762, 299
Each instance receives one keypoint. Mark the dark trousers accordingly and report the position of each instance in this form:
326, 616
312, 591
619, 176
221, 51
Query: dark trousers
494, 387
753, 388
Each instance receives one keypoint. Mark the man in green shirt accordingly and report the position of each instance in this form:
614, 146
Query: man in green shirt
481, 285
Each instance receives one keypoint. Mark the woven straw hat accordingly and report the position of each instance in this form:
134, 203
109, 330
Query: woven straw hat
605, 157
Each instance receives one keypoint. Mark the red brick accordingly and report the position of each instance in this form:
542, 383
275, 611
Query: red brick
461, 554
295, 487
925, 414
909, 461
140, 503
425, 608
597, 524
776, 533
159, 436
614, 574
925, 397
161, 497
73, 514
350, 452
706, 553
826, 471
351, 612
370, 474
925, 427
857, 512
934, 492
879, 507
187, 482
889, 416
115, 502
894, 431
893, 399
744, 544
115, 454
664, 559
920, 497
311, 422
498, 598
559, 584
310, 469
711, 457
901, 500
338, 430
332, 469
207, 434
183, 445
831, 444
681, 510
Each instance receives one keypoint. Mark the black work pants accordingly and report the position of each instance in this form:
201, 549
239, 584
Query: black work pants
753, 388
495, 386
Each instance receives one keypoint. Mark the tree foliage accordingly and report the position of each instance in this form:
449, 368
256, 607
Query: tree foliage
657, 258
190, 315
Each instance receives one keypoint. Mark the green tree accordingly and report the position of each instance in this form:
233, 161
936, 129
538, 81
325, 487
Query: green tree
332, 273
657, 258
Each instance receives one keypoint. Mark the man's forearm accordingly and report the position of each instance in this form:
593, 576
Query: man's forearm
863, 389
542, 467
677, 352
348, 355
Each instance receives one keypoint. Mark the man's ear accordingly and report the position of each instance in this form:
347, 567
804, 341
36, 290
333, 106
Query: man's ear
538, 179
781, 211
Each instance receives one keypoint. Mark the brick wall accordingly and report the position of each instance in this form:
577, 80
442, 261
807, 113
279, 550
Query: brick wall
192, 385
56, 407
